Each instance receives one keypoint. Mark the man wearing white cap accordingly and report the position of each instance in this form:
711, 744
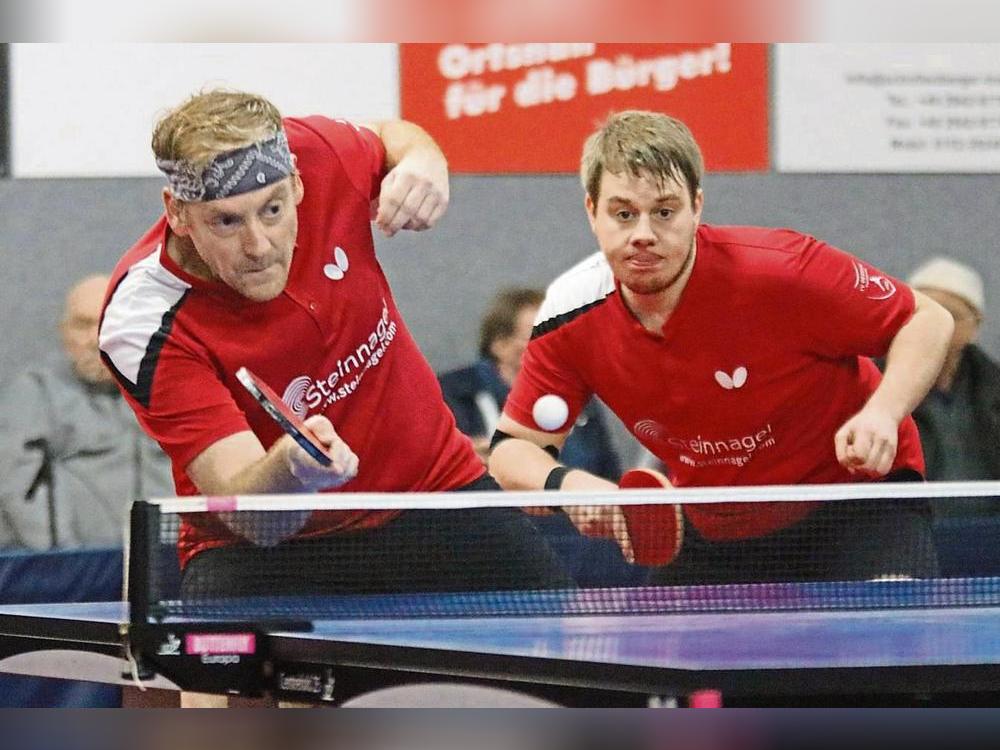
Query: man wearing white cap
959, 420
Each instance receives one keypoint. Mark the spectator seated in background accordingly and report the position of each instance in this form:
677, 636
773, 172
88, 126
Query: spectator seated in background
72, 457
959, 420
476, 395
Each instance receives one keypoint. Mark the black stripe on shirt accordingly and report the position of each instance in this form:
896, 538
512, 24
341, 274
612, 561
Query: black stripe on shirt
142, 389
558, 321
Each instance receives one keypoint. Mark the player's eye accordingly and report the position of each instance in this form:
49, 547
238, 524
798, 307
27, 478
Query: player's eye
225, 222
665, 213
271, 210
623, 215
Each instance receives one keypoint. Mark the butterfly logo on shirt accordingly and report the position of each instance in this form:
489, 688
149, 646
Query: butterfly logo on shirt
730, 382
338, 268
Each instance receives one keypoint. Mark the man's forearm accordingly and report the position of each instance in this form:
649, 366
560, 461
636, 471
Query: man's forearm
256, 471
521, 465
914, 359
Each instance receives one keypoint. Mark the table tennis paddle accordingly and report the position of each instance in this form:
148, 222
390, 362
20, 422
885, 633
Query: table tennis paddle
285, 417
656, 531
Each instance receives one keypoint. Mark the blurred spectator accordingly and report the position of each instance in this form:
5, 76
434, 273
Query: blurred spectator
72, 456
959, 420
476, 393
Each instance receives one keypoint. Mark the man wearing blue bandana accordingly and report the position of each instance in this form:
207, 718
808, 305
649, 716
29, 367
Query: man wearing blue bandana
264, 259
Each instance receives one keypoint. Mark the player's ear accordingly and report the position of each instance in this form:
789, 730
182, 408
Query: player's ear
698, 204
298, 189
174, 210
591, 207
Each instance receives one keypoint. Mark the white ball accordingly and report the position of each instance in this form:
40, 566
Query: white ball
550, 412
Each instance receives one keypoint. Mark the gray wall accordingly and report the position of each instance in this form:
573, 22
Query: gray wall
499, 230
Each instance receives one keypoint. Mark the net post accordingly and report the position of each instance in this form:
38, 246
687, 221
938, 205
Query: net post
144, 525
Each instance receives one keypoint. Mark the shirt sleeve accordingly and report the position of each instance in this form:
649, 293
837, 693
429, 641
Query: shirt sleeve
358, 149
189, 408
547, 369
845, 306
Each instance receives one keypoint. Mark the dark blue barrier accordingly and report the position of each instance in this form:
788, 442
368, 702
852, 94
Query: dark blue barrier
92, 575
592, 563
968, 546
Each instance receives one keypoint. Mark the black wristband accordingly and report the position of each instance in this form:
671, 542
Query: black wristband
555, 478
498, 437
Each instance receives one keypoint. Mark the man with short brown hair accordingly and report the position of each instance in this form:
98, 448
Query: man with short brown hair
737, 356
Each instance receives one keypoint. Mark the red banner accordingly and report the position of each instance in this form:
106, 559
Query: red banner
524, 108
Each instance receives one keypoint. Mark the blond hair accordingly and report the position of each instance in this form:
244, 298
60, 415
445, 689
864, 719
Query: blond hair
644, 144
212, 122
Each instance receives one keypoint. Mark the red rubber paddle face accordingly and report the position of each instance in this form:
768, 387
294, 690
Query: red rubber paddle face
656, 531
285, 417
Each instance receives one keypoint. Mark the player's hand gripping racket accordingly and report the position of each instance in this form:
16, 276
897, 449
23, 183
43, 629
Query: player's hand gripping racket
656, 531
284, 416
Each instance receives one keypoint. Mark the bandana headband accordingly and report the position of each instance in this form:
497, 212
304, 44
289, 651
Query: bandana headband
231, 173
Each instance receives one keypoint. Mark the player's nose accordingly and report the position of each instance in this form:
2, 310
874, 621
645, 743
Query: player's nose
642, 232
256, 243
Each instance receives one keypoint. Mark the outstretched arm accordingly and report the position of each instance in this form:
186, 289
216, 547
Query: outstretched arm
239, 465
867, 442
522, 463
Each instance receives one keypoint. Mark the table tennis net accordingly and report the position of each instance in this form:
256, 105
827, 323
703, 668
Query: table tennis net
509, 554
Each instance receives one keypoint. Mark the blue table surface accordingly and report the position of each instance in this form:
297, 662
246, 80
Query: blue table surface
727, 641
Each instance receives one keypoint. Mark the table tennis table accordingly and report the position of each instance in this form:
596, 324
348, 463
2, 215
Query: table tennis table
777, 656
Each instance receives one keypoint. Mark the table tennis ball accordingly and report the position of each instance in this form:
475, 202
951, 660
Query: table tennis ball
550, 412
